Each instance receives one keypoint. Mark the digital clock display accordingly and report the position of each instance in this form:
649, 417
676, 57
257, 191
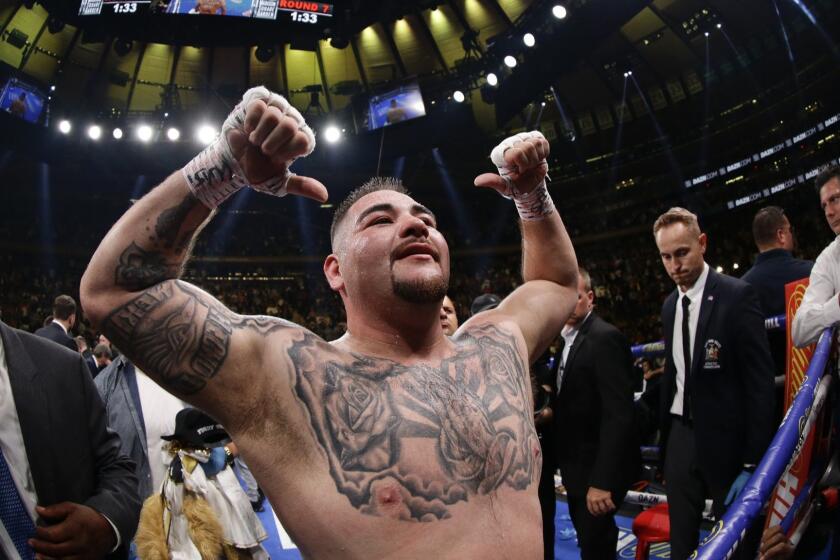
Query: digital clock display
301, 11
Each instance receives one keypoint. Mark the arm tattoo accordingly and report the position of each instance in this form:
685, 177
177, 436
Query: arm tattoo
180, 335
170, 222
407, 442
138, 269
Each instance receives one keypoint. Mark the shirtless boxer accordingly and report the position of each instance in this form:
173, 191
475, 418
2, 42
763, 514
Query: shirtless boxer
393, 441
211, 7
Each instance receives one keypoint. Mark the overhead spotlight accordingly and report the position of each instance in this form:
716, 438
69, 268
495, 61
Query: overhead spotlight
206, 134
94, 132
458, 96
54, 25
706, 33
264, 53
144, 132
173, 134
52, 88
719, 25
510, 61
492, 79
122, 46
332, 134
559, 11
65, 127
719, 269
542, 104
736, 266
118, 133
529, 40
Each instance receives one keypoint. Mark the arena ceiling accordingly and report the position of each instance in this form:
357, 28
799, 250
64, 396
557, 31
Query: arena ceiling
121, 66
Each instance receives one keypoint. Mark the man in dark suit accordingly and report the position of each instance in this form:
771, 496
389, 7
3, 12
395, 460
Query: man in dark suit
63, 481
64, 317
775, 265
594, 431
717, 393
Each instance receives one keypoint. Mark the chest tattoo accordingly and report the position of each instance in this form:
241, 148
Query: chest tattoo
407, 442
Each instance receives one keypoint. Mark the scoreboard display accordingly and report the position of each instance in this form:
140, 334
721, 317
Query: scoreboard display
295, 11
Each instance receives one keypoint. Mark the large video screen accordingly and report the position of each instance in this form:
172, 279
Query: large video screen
242, 8
22, 100
396, 106
294, 11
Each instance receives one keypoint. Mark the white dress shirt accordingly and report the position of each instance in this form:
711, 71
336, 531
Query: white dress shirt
695, 294
820, 306
569, 334
159, 410
11, 441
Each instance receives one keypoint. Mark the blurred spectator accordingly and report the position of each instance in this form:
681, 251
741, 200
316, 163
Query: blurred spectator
59, 328
820, 305
484, 302
448, 317
84, 350
102, 357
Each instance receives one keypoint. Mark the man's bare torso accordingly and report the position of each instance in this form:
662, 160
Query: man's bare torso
210, 6
372, 458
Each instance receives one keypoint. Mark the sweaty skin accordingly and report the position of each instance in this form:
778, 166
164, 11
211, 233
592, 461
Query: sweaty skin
394, 441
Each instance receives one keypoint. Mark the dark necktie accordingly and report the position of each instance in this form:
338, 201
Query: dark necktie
686, 346
13, 513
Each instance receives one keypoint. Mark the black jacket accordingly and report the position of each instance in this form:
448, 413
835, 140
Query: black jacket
55, 333
72, 454
731, 384
595, 436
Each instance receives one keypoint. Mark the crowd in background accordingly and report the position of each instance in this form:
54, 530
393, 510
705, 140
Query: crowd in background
629, 282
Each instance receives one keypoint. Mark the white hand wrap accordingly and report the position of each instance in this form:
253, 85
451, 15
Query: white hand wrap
534, 205
214, 174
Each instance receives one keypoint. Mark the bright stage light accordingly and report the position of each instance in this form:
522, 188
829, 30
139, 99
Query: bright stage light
492, 79
559, 11
173, 134
117, 133
144, 133
529, 40
332, 134
458, 96
94, 132
510, 61
206, 134
65, 127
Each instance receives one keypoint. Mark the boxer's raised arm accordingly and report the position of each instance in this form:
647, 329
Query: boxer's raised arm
544, 302
178, 334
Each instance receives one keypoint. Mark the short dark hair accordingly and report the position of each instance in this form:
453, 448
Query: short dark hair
102, 351
63, 307
826, 175
766, 223
371, 185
